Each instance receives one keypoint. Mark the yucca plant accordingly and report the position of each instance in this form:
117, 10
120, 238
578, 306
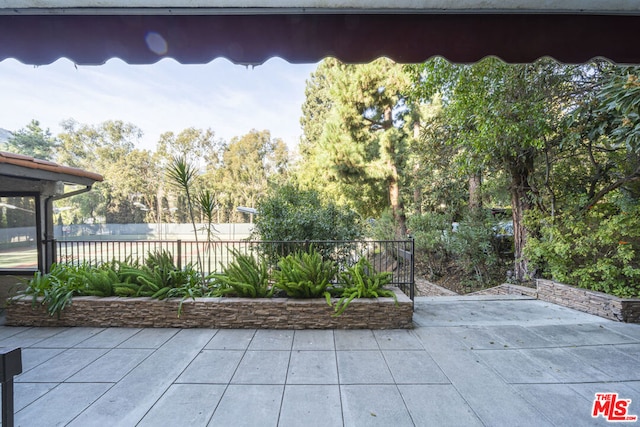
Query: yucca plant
305, 275
246, 277
361, 281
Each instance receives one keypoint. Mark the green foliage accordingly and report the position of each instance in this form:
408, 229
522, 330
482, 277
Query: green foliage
432, 233
361, 281
291, 213
475, 251
304, 274
158, 278
246, 277
599, 250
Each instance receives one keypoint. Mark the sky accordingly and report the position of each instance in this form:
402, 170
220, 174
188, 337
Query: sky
166, 96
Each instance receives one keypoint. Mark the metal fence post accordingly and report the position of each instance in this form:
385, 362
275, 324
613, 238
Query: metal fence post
10, 366
179, 254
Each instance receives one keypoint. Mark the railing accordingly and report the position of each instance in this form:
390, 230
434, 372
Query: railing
394, 256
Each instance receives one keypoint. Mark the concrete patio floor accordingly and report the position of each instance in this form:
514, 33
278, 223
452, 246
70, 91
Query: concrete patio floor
494, 361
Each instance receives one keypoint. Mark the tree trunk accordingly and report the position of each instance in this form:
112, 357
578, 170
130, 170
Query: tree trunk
475, 195
520, 203
397, 207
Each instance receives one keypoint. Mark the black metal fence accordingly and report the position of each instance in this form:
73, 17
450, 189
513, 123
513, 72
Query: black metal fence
394, 256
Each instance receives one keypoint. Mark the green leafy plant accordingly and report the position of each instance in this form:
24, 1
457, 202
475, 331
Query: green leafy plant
361, 281
56, 288
304, 275
246, 277
597, 250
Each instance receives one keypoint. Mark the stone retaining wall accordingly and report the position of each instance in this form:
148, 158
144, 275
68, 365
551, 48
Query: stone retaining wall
265, 313
592, 302
508, 289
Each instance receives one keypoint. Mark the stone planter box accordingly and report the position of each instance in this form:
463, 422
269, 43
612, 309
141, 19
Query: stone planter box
261, 313
592, 302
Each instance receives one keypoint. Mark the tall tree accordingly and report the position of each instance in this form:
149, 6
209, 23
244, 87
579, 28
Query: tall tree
367, 125
502, 116
109, 149
249, 164
33, 141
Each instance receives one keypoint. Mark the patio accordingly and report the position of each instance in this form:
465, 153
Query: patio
469, 361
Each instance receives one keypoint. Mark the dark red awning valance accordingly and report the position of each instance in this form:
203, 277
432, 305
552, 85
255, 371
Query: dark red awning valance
307, 38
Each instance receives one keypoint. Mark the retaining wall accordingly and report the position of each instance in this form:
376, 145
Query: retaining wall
592, 302
261, 313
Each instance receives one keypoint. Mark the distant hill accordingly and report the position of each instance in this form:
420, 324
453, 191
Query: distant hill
4, 137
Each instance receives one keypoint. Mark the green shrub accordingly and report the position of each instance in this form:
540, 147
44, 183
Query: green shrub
289, 213
304, 274
599, 250
361, 281
432, 233
246, 277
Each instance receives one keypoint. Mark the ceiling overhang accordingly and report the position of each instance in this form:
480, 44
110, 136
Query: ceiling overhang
251, 32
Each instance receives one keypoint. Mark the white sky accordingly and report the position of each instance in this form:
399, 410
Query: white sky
166, 96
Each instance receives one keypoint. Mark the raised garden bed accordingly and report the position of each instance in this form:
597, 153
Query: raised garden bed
224, 312
592, 302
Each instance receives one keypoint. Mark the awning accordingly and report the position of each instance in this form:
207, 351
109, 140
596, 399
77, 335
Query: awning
189, 38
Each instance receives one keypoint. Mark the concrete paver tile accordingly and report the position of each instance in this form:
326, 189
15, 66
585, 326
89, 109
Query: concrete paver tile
26, 393
272, 339
189, 405
60, 405
212, 367
312, 367
514, 336
564, 366
231, 339
28, 337
616, 364
249, 405
355, 339
313, 339
149, 338
363, 367
397, 339
494, 401
32, 357
109, 338
435, 338
262, 367
560, 404
62, 366
514, 366
130, 399
580, 334
437, 405
69, 337
112, 366
414, 367
311, 406
374, 405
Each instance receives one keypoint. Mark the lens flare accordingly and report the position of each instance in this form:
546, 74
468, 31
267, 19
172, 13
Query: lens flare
156, 43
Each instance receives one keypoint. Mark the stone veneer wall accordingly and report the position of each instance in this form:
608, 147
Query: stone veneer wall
508, 289
265, 313
592, 302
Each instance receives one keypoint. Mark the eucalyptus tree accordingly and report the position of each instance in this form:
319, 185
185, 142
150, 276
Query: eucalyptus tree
248, 165
110, 150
